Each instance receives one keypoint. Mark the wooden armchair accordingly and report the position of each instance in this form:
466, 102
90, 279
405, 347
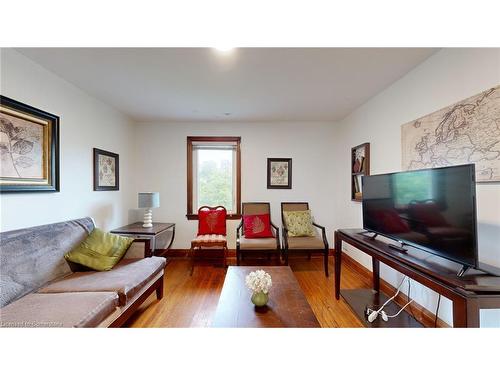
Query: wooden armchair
209, 235
256, 245
309, 245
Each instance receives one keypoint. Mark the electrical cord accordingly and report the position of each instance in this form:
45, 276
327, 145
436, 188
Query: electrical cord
374, 313
408, 298
437, 311
399, 312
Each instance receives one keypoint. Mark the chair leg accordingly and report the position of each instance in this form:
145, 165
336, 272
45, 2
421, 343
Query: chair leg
225, 256
238, 258
286, 257
326, 263
191, 252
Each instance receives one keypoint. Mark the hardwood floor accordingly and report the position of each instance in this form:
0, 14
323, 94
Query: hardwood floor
191, 301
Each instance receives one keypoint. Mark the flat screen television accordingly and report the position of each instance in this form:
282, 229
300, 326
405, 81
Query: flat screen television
430, 209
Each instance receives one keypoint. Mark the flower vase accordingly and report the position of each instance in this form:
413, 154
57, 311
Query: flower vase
260, 299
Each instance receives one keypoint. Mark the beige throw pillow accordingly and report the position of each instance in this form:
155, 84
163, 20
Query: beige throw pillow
299, 223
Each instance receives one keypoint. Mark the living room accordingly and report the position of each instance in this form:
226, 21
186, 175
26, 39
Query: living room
181, 134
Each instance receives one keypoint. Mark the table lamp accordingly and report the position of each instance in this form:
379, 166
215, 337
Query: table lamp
149, 201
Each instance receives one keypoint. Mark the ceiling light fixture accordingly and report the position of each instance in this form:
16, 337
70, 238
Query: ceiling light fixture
224, 49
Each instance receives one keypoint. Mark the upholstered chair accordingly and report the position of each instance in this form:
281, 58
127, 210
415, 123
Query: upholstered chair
261, 237
211, 232
316, 243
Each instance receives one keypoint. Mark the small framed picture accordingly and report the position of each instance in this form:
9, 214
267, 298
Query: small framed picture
106, 170
29, 148
279, 173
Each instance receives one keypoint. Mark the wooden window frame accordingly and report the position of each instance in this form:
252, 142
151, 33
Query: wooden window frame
190, 140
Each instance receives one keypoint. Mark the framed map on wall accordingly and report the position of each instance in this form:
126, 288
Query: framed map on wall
463, 133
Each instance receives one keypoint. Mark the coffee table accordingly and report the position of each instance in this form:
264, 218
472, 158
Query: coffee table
287, 306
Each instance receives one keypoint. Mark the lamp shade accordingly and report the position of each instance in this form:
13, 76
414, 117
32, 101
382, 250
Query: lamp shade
149, 200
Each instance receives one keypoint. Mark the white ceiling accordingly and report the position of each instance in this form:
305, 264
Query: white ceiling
249, 84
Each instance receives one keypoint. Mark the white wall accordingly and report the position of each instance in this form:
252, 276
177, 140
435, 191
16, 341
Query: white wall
445, 78
161, 166
84, 123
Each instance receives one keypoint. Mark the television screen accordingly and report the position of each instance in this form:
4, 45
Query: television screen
431, 209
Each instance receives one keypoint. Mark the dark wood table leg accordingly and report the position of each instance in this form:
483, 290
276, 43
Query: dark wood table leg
473, 313
376, 274
459, 313
338, 263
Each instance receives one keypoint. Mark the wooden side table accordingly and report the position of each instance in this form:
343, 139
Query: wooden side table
154, 233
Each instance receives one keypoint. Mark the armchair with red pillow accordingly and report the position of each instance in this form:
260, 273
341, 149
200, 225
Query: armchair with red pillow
256, 233
257, 226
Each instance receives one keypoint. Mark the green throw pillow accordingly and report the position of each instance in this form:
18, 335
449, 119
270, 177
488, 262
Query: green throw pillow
100, 251
299, 223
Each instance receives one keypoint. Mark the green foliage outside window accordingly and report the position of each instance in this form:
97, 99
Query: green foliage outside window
215, 182
413, 186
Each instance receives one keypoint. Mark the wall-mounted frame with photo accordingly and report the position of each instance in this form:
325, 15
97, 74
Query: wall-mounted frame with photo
106, 170
29, 148
279, 173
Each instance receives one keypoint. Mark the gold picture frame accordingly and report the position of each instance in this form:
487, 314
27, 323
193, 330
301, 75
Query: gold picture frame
29, 148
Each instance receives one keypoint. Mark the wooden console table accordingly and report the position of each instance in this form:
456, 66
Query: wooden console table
469, 293
136, 230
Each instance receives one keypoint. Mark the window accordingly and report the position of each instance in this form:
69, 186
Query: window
213, 174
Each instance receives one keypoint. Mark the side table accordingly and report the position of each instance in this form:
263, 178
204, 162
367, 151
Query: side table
154, 234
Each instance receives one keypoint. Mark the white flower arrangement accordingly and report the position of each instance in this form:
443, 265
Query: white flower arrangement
259, 281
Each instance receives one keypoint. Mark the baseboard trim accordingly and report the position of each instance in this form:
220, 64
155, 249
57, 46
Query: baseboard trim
420, 313
182, 253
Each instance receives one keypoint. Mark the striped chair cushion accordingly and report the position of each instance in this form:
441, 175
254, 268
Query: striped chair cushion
209, 239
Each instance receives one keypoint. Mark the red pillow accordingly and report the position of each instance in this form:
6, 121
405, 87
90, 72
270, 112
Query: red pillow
429, 214
257, 226
392, 222
212, 222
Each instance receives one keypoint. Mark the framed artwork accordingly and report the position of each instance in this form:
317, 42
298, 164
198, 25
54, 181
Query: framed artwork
279, 173
106, 170
29, 148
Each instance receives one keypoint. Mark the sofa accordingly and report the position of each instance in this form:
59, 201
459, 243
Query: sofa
39, 288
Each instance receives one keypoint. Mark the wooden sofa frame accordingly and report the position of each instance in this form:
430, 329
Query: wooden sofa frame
156, 286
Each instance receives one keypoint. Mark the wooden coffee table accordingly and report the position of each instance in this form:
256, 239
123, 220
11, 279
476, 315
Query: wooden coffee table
287, 306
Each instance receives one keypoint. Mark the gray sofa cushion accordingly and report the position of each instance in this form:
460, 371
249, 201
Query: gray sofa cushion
126, 279
31, 257
59, 310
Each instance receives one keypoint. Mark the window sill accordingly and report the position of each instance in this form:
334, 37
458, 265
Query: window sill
228, 217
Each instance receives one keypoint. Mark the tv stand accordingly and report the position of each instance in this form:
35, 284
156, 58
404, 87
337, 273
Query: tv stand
469, 293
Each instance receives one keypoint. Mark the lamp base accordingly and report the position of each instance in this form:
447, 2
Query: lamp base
148, 218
